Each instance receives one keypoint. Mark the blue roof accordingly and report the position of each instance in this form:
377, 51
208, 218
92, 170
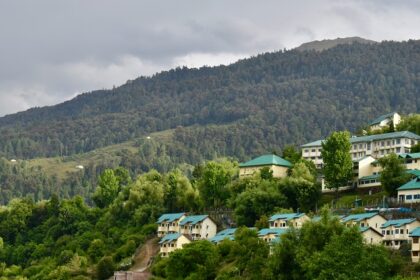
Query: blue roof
228, 231
409, 155
170, 217
414, 172
398, 223
411, 185
415, 232
193, 219
359, 217
276, 231
369, 138
363, 229
169, 237
218, 238
370, 177
286, 217
381, 118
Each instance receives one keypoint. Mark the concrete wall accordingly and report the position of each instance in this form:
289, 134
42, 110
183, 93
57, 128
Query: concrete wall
278, 171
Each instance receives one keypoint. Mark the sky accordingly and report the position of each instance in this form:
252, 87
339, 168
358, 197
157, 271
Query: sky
53, 50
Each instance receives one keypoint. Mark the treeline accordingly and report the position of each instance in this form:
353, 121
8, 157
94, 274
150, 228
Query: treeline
265, 102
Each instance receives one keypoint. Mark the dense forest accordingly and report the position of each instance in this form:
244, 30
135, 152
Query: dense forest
250, 107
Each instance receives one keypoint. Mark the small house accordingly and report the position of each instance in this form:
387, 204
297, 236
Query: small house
410, 192
198, 227
371, 236
415, 244
372, 219
171, 242
169, 223
276, 164
396, 232
290, 219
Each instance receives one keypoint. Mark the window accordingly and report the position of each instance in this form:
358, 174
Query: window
360, 146
313, 151
383, 232
408, 197
415, 253
396, 231
306, 150
415, 240
388, 143
398, 141
368, 146
387, 232
382, 143
398, 150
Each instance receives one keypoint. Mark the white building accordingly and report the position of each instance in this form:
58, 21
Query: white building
276, 164
376, 146
286, 220
373, 220
415, 244
371, 236
169, 223
385, 121
410, 192
198, 227
396, 232
171, 242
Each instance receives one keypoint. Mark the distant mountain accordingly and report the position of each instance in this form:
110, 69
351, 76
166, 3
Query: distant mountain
254, 106
327, 44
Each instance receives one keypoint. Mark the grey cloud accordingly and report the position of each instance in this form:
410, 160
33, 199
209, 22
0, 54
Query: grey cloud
51, 50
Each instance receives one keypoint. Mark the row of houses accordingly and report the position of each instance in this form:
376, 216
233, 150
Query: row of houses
178, 229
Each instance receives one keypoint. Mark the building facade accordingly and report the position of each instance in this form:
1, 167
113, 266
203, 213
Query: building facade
276, 164
415, 244
169, 223
396, 232
286, 220
373, 220
385, 121
410, 192
371, 236
172, 242
198, 227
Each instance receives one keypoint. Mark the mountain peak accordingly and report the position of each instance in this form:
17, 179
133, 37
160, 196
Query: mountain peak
330, 43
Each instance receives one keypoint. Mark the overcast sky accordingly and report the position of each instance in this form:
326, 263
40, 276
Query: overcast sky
52, 50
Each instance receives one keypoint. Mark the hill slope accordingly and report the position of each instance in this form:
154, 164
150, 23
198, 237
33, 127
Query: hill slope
250, 107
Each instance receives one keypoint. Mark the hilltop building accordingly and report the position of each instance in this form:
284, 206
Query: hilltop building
169, 223
286, 220
377, 146
385, 121
171, 242
396, 232
278, 165
198, 227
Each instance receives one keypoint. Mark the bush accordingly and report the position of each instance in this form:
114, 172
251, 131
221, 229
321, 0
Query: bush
105, 268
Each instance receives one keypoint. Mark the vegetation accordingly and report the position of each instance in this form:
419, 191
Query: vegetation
338, 166
393, 174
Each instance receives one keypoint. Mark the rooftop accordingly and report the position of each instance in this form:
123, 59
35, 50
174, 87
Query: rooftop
415, 232
170, 237
363, 229
414, 172
170, 217
218, 238
370, 138
276, 231
410, 155
398, 223
286, 217
381, 118
370, 177
412, 185
228, 231
266, 160
359, 217
193, 219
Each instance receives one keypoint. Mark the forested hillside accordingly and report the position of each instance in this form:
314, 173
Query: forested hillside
253, 106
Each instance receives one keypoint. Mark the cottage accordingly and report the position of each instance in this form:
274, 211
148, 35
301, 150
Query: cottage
370, 235
198, 227
271, 235
171, 242
169, 223
385, 121
415, 244
285, 220
396, 232
411, 160
410, 192
277, 165
224, 234
373, 220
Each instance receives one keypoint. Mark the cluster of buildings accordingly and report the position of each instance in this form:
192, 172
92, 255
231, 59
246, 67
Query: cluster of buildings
178, 229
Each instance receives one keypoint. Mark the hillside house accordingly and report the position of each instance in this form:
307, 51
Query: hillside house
377, 146
169, 223
277, 165
373, 220
415, 244
171, 242
366, 171
198, 227
371, 236
410, 192
224, 234
396, 232
271, 235
385, 121
286, 220
411, 160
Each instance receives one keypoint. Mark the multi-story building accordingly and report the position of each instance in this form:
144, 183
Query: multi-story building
198, 227
373, 220
385, 121
286, 220
376, 146
171, 242
396, 232
169, 223
410, 192
415, 244
277, 165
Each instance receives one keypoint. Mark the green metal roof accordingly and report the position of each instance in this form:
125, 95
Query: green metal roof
276, 231
415, 232
410, 155
412, 185
381, 118
397, 223
193, 219
170, 217
266, 160
359, 217
286, 217
414, 172
370, 138
370, 177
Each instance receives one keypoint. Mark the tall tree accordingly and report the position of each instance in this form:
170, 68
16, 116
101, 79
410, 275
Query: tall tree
337, 160
393, 173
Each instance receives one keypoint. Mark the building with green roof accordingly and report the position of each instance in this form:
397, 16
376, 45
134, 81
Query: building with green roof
415, 244
385, 121
410, 192
411, 160
288, 219
396, 232
277, 165
169, 223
